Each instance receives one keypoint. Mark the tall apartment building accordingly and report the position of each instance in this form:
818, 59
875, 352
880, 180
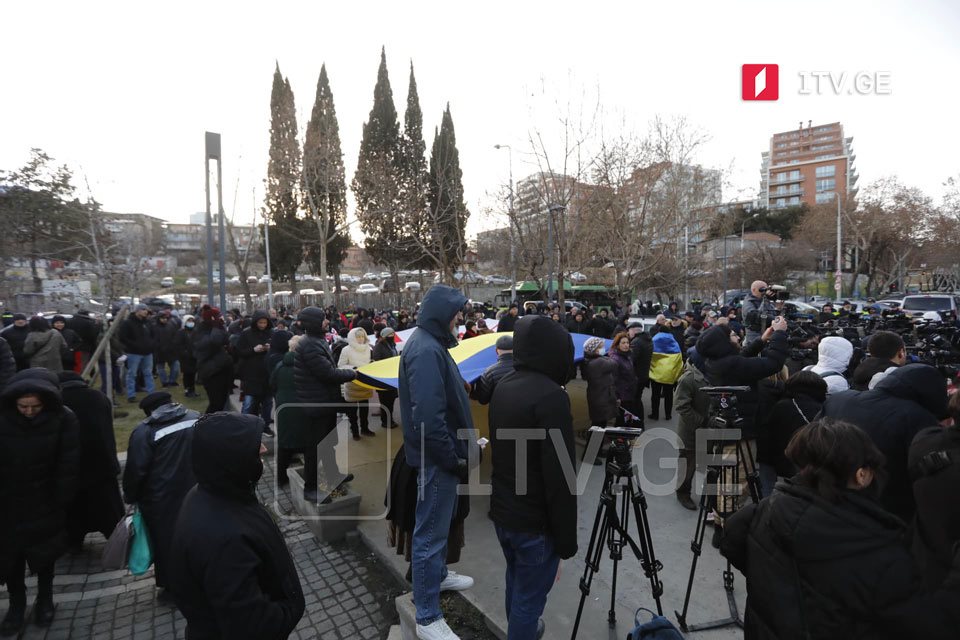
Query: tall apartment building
808, 165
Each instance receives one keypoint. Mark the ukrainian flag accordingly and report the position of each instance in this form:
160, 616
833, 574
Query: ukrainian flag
472, 356
666, 365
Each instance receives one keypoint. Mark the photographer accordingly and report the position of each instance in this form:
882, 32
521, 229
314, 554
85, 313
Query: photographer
827, 315
758, 309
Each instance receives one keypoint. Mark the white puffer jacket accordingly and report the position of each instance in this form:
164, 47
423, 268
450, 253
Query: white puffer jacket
835, 353
355, 355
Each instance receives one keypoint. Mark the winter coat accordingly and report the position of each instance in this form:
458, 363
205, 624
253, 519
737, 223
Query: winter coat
865, 371
691, 404
679, 334
834, 358
38, 474
829, 571
210, 350
136, 336
690, 337
937, 527
602, 327
487, 382
726, 367
353, 356
626, 380
165, 336
641, 348
384, 349
532, 397
585, 326
507, 322
45, 349
254, 376
434, 406
906, 401
15, 337
316, 376
279, 347
666, 365
292, 423
795, 409
68, 360
8, 364
600, 372
87, 330
97, 505
183, 347
231, 572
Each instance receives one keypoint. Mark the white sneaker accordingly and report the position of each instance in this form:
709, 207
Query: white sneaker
436, 630
456, 582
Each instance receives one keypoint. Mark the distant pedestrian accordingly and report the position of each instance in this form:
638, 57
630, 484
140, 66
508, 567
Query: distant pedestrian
136, 336
252, 348
16, 334
165, 355
44, 346
385, 348
214, 364
183, 345
71, 355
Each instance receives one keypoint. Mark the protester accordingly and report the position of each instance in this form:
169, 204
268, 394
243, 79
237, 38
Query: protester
214, 364
39, 449
536, 527
470, 330
159, 472
165, 352
97, 505
483, 388
16, 334
834, 358
579, 323
292, 425
885, 351
509, 319
231, 573
317, 380
69, 360
823, 559
693, 406
88, 331
8, 364
641, 351
44, 347
355, 355
435, 413
136, 336
279, 347
183, 347
666, 366
626, 378
905, 402
252, 348
385, 348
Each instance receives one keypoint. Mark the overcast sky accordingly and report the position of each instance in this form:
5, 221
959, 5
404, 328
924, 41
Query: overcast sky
123, 92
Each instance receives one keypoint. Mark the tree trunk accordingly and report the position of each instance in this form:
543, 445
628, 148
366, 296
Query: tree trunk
336, 289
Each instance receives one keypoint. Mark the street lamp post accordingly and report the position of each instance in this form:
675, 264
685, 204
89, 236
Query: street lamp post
513, 263
556, 208
839, 269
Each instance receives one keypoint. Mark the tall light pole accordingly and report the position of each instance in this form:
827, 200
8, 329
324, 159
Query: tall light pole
838, 276
212, 150
513, 263
556, 208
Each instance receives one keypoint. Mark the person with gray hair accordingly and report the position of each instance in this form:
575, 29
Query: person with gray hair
483, 388
756, 307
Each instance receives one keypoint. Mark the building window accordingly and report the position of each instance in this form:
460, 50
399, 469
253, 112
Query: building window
826, 185
795, 175
826, 157
826, 171
781, 189
823, 198
821, 147
821, 129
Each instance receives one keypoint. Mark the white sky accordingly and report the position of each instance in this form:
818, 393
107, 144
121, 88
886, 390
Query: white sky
123, 92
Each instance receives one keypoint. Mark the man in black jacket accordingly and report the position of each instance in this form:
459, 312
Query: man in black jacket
483, 388
136, 336
641, 351
165, 354
8, 364
885, 350
252, 348
906, 401
88, 331
159, 472
318, 381
534, 506
509, 319
231, 573
16, 335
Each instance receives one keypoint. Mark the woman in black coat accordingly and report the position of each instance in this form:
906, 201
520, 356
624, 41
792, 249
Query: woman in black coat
38, 477
823, 559
97, 505
626, 377
214, 364
74, 344
183, 346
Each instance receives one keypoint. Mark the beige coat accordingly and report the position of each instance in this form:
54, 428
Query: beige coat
354, 355
45, 349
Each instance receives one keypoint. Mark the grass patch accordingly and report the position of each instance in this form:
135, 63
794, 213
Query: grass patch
128, 415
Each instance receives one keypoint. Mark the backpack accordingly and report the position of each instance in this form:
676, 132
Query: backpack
658, 628
336, 348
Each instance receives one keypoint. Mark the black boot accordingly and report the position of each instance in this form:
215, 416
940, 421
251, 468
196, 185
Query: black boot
43, 610
13, 621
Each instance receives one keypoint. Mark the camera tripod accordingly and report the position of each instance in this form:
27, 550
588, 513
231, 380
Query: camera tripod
724, 415
610, 529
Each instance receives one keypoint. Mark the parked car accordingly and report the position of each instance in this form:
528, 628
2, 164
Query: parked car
497, 279
464, 277
252, 280
819, 301
890, 304
167, 282
192, 282
369, 276
384, 274
917, 305
368, 288
412, 286
264, 279
234, 280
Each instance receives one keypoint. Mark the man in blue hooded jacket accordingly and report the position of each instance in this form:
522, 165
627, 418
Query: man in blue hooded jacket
439, 441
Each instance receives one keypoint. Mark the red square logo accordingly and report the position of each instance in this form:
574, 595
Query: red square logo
761, 82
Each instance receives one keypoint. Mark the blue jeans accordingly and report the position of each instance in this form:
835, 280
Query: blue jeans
532, 565
143, 364
174, 371
436, 504
262, 406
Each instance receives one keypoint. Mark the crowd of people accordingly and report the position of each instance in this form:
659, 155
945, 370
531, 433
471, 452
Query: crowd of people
854, 536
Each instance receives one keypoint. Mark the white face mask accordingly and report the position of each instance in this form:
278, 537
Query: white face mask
601, 351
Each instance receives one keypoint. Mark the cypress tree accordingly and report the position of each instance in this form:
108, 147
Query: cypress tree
414, 178
324, 183
282, 205
448, 212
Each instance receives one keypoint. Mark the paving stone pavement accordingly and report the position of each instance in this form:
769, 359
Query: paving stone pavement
348, 594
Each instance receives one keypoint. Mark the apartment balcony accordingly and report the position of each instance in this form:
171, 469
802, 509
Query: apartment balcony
786, 194
775, 181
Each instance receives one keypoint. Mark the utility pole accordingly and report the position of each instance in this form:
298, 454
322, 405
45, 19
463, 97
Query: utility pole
838, 276
212, 145
513, 262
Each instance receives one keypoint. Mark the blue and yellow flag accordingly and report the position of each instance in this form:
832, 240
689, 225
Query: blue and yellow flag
472, 356
666, 365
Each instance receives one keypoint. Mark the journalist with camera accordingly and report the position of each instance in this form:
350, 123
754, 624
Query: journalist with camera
761, 307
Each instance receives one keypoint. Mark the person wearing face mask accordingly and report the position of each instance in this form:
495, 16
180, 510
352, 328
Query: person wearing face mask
823, 559
231, 573
39, 453
183, 345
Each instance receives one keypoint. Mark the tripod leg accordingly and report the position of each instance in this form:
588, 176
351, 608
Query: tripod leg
697, 545
616, 554
651, 566
745, 455
594, 550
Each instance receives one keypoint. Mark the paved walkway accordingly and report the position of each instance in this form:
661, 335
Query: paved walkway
348, 594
